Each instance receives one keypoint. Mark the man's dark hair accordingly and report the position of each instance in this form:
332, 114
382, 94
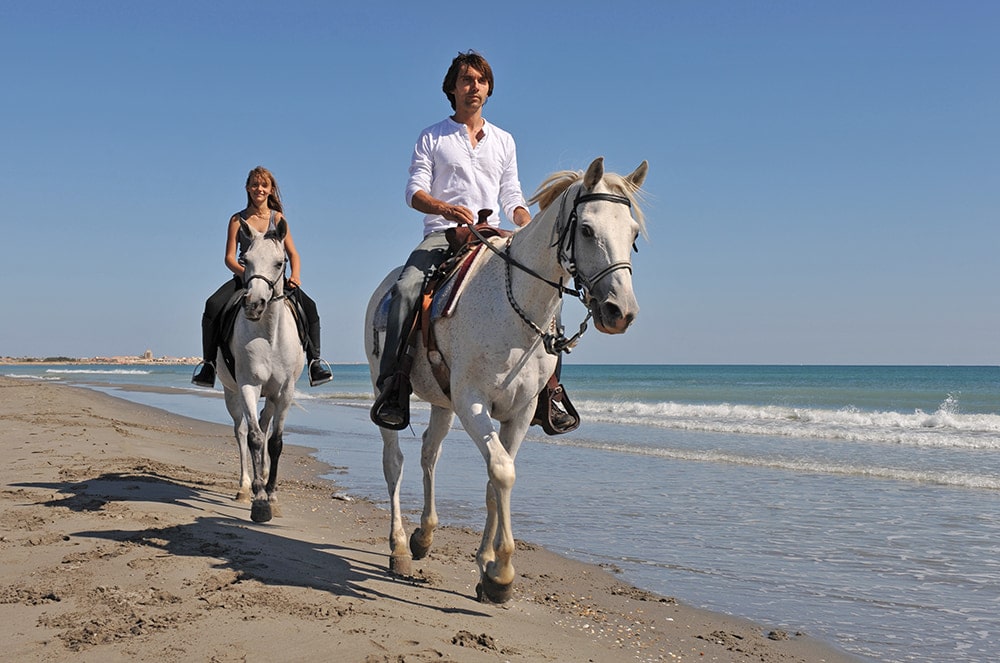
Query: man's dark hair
467, 59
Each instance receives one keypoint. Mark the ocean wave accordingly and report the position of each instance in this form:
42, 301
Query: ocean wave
939, 477
945, 427
21, 376
335, 397
98, 371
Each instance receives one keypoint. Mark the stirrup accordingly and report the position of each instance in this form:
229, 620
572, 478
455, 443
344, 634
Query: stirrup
554, 411
325, 376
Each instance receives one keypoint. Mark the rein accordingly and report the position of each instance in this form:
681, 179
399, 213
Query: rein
505, 254
566, 241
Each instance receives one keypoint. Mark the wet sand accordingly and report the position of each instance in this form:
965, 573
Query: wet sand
119, 540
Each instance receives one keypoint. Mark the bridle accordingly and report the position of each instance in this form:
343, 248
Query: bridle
272, 285
556, 341
567, 244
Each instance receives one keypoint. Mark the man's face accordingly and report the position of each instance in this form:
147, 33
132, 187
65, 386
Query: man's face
471, 89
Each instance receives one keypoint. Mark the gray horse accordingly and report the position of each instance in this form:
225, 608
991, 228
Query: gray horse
268, 359
494, 346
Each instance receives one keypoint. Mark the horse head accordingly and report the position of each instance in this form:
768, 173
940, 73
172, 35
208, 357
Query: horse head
264, 262
597, 241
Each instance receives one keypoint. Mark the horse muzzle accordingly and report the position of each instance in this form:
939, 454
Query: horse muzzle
610, 318
253, 309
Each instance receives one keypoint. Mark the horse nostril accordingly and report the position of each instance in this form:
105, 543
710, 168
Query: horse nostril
612, 312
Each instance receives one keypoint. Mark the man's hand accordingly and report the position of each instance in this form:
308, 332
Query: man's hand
423, 202
458, 214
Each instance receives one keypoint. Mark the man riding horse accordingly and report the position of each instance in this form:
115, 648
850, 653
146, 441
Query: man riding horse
459, 166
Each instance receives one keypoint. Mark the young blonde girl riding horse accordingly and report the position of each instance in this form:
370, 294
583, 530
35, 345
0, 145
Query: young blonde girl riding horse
262, 213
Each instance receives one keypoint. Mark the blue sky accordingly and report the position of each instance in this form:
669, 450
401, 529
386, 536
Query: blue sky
824, 178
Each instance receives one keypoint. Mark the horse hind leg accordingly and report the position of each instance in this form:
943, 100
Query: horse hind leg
400, 560
430, 452
243, 493
489, 590
496, 550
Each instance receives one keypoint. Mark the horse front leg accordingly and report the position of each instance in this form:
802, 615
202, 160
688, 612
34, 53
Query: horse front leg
486, 554
496, 550
496, 570
260, 510
260, 507
273, 419
430, 452
274, 447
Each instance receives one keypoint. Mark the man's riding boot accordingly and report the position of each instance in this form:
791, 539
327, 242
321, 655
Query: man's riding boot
206, 376
554, 411
392, 407
561, 420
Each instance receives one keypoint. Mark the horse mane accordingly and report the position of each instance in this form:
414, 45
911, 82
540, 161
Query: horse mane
555, 184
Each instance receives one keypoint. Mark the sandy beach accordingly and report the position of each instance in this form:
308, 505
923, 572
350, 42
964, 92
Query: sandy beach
120, 541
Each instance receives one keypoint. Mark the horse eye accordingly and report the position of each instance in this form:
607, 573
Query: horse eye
278, 265
587, 232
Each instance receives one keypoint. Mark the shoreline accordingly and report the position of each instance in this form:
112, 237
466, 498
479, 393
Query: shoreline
122, 541
99, 361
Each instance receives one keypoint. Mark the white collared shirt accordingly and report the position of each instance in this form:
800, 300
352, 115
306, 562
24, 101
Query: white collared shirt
446, 166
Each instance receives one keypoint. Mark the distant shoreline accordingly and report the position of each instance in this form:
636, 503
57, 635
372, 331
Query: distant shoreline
111, 361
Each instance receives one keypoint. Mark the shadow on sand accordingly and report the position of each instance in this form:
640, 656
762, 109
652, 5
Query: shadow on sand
252, 551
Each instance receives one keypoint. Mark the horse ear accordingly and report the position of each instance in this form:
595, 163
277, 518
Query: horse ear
281, 229
594, 174
245, 228
638, 175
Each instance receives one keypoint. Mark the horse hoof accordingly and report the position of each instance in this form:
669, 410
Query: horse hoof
400, 565
418, 549
488, 591
260, 512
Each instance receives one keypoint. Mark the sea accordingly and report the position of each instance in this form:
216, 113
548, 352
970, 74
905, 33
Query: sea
857, 504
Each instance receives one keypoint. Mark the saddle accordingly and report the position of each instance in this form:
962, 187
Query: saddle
440, 296
442, 292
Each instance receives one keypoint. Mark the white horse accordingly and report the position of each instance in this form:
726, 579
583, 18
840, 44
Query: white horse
494, 345
268, 358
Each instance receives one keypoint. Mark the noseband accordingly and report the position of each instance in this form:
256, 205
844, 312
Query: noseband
270, 284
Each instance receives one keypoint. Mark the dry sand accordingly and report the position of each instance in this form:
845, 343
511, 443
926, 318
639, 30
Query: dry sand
119, 541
